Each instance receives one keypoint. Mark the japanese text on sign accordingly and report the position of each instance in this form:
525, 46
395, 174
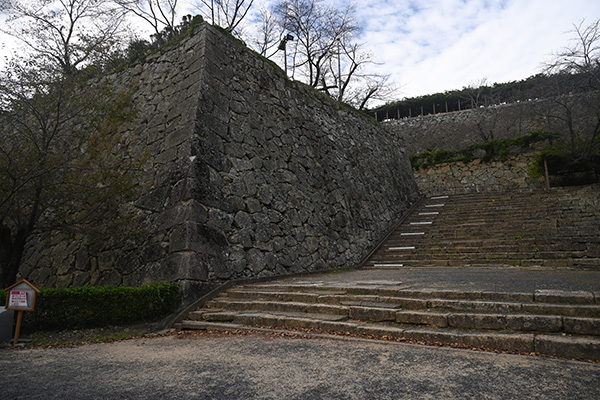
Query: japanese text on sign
17, 298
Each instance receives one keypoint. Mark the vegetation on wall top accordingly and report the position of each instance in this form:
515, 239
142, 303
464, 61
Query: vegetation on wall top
493, 150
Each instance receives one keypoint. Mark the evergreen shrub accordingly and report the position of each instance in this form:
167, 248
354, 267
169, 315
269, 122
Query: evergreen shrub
99, 306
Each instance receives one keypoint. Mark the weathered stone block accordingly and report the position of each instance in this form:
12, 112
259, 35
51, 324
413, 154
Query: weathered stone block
568, 346
539, 323
561, 296
372, 314
188, 266
477, 321
582, 326
435, 319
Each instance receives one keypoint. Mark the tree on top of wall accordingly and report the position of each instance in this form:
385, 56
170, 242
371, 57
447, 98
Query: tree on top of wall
573, 88
324, 52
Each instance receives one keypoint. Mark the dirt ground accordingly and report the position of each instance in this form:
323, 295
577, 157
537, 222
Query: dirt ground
200, 365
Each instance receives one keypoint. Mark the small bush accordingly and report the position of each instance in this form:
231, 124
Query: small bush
100, 306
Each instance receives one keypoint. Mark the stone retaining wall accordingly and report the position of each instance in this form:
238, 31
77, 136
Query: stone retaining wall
248, 175
460, 129
477, 176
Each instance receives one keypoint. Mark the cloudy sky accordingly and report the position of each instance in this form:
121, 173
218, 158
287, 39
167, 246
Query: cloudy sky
431, 46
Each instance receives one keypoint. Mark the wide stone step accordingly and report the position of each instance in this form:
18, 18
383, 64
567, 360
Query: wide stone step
438, 319
560, 304
570, 264
550, 229
470, 260
581, 347
386, 289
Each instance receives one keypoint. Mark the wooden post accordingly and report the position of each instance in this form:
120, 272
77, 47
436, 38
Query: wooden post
21, 297
18, 327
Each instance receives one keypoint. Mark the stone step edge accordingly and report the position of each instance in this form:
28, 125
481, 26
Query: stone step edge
538, 296
584, 264
532, 344
383, 305
517, 322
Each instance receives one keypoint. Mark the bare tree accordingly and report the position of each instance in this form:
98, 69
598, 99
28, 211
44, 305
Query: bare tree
268, 34
62, 165
226, 13
160, 14
66, 33
582, 56
325, 53
574, 89
345, 78
318, 28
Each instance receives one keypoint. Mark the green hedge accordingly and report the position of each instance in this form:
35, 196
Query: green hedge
99, 306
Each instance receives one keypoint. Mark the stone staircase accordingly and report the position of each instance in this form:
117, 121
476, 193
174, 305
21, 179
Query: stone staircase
526, 231
555, 229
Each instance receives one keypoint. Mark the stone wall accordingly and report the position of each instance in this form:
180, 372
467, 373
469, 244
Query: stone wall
478, 176
460, 129
248, 175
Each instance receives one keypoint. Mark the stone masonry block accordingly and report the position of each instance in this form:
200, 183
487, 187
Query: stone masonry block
539, 323
561, 296
582, 326
568, 346
372, 314
477, 321
188, 266
436, 319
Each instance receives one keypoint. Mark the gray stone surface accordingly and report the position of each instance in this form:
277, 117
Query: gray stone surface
458, 130
247, 174
6, 323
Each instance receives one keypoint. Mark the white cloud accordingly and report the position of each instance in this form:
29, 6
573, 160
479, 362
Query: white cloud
437, 45
449, 44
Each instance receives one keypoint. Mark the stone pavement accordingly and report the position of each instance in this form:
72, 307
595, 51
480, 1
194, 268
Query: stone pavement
497, 279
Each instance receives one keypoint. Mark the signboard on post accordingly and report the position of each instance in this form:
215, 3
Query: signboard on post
21, 297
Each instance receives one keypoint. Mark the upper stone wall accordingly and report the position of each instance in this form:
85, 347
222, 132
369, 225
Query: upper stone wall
248, 175
460, 129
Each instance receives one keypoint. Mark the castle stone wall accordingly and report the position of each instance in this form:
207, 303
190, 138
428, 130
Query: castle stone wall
248, 175
460, 129
478, 176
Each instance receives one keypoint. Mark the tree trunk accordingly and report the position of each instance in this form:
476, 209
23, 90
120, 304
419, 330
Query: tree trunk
11, 253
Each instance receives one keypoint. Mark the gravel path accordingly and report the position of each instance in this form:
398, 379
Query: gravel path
256, 366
